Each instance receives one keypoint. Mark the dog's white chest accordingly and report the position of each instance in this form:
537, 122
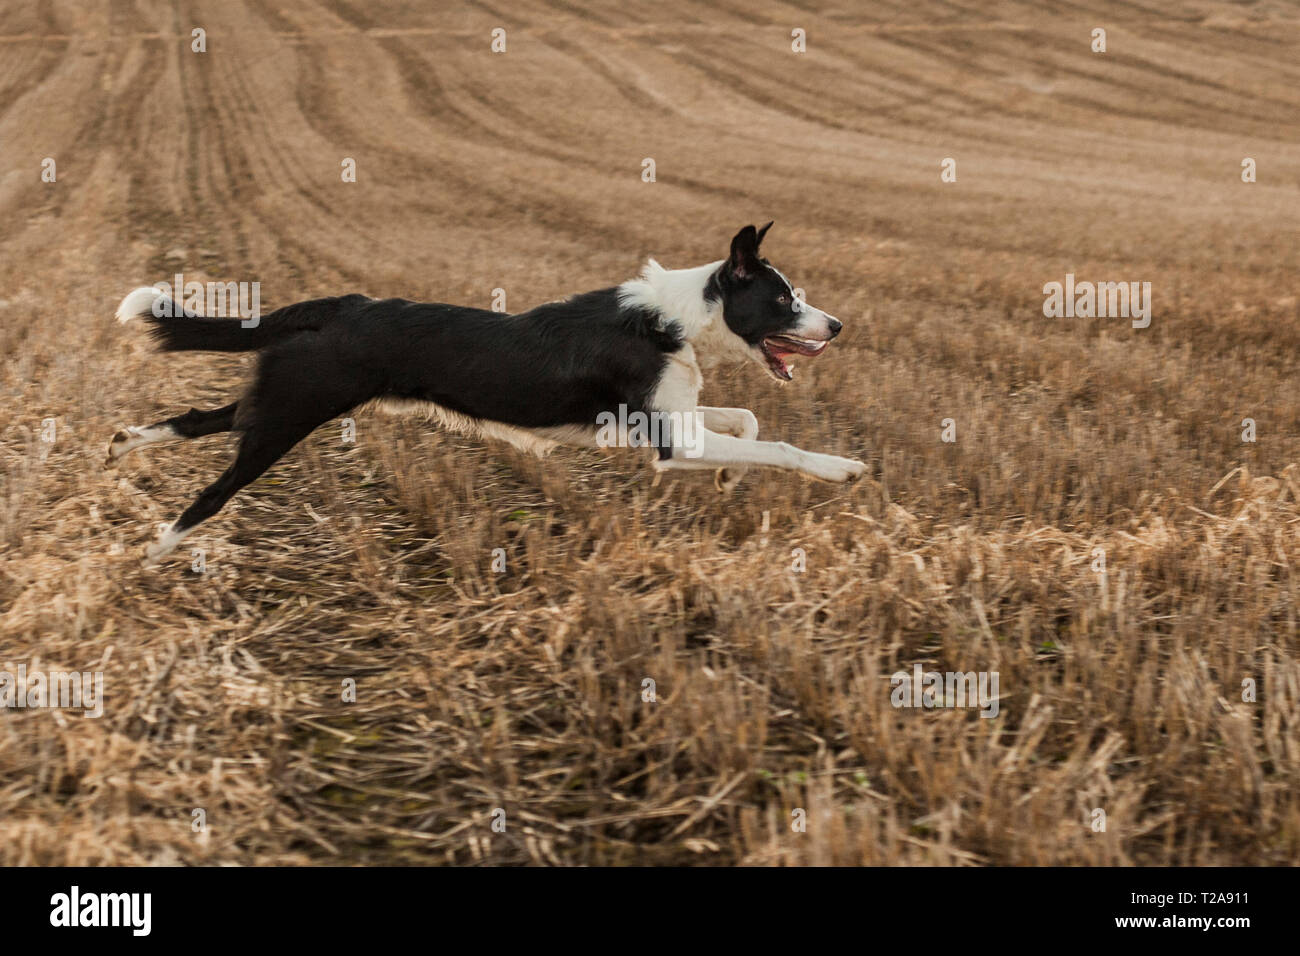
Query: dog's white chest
679, 386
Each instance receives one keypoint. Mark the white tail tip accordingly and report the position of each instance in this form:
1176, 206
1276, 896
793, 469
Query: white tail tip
138, 302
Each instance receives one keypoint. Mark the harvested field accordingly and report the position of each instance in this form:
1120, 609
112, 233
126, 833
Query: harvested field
1077, 440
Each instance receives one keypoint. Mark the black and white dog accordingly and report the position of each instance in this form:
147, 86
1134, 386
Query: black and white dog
537, 379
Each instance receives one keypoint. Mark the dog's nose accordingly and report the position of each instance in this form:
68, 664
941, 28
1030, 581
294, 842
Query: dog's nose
835, 325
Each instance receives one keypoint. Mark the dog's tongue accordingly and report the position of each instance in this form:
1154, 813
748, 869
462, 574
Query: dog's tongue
808, 349
780, 350
786, 369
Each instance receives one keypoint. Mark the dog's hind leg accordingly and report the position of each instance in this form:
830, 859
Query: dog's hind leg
259, 449
193, 424
300, 384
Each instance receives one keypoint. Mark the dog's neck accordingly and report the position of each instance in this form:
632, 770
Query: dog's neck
688, 300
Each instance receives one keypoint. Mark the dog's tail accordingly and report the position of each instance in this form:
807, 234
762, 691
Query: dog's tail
178, 329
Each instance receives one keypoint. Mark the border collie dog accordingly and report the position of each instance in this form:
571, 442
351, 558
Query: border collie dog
541, 378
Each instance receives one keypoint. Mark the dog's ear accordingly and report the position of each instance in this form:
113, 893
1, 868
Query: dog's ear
743, 261
761, 233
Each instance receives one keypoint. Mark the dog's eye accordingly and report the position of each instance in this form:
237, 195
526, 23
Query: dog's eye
782, 299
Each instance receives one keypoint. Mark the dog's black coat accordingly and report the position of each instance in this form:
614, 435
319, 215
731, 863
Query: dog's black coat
562, 363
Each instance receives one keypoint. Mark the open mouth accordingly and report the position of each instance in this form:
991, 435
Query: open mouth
777, 349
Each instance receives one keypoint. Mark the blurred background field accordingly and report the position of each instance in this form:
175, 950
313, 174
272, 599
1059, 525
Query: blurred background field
522, 690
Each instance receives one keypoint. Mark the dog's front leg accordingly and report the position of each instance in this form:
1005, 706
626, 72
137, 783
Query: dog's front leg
739, 422
709, 449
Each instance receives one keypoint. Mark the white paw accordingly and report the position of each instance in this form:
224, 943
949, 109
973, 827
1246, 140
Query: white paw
726, 479
835, 468
121, 443
165, 545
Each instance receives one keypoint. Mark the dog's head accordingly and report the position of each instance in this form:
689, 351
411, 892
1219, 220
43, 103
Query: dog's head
760, 307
